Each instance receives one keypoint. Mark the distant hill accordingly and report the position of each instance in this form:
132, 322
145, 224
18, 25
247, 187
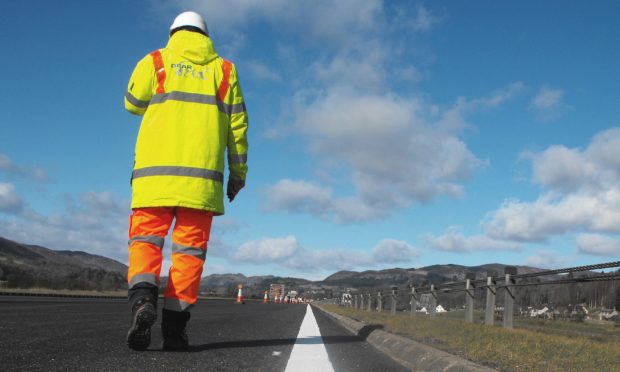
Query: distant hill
430, 274
226, 284
26, 266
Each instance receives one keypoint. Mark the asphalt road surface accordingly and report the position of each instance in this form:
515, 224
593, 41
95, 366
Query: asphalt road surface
87, 334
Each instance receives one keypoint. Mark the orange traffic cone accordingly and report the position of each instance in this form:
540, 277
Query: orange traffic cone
265, 299
240, 295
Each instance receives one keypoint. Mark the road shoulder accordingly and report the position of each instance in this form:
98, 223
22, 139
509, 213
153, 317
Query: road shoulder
409, 353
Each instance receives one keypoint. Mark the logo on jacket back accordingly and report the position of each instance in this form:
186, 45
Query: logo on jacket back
187, 70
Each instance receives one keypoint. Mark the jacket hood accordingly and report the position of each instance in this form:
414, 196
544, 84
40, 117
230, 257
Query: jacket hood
192, 46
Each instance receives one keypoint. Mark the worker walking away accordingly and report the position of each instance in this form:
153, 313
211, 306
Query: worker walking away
193, 111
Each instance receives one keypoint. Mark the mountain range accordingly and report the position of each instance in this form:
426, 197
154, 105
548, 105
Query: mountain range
26, 266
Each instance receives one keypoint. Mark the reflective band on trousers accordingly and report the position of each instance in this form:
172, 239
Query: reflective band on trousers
136, 102
171, 170
153, 239
143, 278
191, 251
199, 98
237, 158
174, 304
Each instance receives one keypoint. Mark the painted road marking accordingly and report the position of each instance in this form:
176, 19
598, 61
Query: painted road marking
309, 353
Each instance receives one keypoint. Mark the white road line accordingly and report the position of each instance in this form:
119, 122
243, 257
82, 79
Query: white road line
309, 353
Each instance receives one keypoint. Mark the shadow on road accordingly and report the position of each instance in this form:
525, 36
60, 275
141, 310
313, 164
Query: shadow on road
360, 337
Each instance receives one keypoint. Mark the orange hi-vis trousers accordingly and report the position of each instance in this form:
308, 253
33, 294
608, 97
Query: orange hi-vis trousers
147, 229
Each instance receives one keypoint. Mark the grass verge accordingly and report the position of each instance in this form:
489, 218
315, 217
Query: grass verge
600, 330
44, 291
506, 350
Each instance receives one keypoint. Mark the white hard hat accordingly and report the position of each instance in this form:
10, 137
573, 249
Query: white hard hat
190, 19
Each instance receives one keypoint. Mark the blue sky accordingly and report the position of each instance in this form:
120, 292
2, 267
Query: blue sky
382, 133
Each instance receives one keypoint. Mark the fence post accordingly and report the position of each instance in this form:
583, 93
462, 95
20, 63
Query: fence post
489, 309
509, 298
369, 301
393, 309
355, 302
618, 307
361, 301
469, 297
414, 300
433, 302
379, 302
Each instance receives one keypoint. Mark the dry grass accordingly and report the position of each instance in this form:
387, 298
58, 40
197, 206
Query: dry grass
506, 350
47, 291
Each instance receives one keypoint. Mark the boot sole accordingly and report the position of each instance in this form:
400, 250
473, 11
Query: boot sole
139, 335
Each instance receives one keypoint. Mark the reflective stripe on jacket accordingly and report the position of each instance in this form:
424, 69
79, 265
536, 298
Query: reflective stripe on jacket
187, 126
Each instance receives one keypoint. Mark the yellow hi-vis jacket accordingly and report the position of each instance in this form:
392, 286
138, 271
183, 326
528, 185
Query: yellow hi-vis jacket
193, 110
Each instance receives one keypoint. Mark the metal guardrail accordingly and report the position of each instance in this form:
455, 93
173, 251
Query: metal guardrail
365, 300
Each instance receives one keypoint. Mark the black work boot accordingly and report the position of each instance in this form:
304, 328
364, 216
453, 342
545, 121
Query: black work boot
173, 330
143, 302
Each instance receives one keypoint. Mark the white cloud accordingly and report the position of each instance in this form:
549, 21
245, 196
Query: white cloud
454, 241
104, 202
493, 100
547, 103
269, 250
393, 251
582, 193
392, 151
550, 215
287, 252
298, 196
397, 151
547, 98
224, 225
598, 245
95, 223
544, 260
564, 169
424, 19
559, 168
324, 21
10, 202
261, 71
417, 18
29, 172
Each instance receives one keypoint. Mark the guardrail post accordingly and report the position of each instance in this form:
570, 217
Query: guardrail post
393, 309
469, 297
369, 301
379, 302
618, 307
489, 309
509, 298
414, 300
433, 302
